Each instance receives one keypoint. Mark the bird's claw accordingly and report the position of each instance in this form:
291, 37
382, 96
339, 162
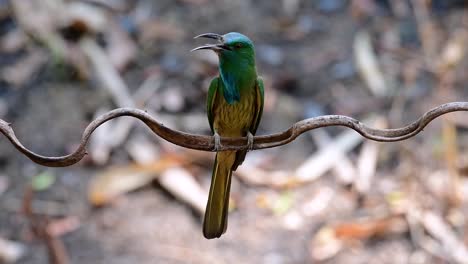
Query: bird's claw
250, 141
217, 141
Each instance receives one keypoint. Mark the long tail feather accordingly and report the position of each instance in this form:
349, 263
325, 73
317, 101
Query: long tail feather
215, 222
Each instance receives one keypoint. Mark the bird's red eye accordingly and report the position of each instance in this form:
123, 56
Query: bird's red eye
238, 45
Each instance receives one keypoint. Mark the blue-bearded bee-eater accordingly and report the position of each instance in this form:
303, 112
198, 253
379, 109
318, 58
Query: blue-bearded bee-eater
234, 106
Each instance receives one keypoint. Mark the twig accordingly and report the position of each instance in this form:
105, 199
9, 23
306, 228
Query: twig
206, 143
39, 226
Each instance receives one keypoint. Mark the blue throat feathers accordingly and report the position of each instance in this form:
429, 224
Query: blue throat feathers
230, 91
235, 77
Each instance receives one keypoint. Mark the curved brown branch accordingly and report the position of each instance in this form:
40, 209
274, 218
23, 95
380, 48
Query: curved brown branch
206, 143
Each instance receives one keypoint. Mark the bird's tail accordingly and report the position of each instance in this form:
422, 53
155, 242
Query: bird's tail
215, 222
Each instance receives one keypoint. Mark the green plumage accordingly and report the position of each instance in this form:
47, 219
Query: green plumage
234, 107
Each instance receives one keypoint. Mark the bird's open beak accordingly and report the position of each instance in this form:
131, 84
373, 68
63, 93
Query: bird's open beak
214, 47
211, 36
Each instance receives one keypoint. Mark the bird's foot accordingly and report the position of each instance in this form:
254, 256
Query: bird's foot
217, 141
250, 141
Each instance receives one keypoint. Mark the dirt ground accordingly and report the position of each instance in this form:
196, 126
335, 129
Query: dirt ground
401, 202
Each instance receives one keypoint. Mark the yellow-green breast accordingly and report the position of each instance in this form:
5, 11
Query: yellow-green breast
234, 120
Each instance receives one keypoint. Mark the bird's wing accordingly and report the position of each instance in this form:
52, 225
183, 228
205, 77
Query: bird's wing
259, 91
212, 91
259, 100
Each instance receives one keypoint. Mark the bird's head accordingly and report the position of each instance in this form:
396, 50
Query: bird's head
231, 46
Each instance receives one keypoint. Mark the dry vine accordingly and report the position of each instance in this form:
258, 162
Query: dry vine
206, 143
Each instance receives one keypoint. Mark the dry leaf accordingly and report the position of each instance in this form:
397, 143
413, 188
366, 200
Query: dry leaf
329, 240
369, 228
108, 185
182, 185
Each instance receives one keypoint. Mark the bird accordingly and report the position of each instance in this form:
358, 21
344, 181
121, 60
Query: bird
234, 106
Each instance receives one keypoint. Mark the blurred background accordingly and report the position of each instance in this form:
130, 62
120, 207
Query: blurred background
328, 197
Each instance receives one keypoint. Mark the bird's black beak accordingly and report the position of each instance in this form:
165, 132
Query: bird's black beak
214, 47
211, 36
